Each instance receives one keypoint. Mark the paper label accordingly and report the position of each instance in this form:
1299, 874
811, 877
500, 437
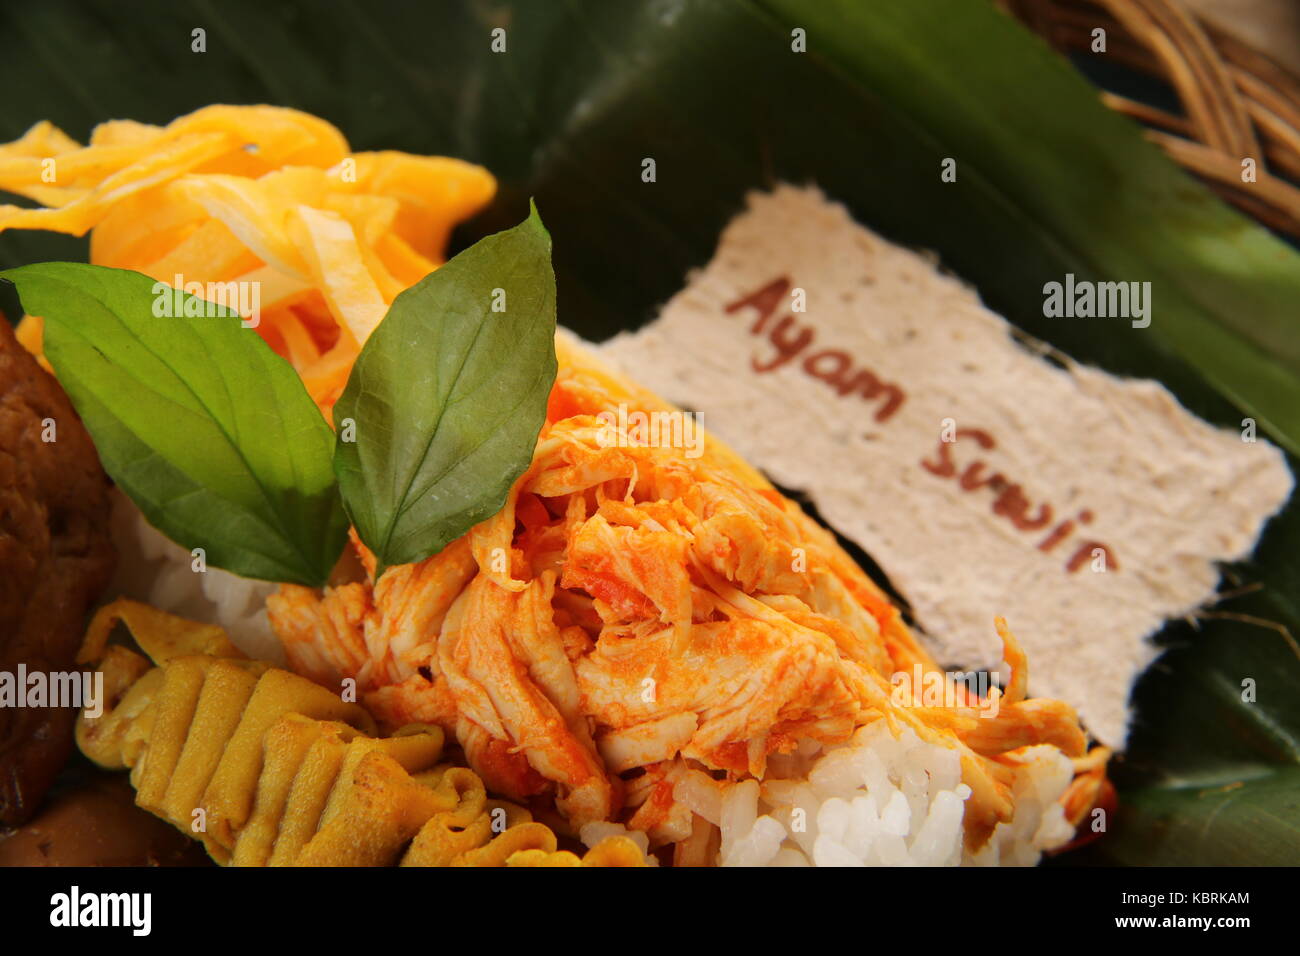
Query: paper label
984, 479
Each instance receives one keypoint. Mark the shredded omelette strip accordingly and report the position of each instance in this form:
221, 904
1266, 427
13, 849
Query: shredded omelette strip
251, 194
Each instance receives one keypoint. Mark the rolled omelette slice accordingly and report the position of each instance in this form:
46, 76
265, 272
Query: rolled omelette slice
267, 768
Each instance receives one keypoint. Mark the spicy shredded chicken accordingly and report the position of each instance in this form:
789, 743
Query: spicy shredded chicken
633, 608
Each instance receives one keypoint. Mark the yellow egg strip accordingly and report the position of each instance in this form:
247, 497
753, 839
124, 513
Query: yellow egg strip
255, 194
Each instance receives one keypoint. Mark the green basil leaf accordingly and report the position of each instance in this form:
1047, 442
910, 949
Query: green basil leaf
448, 396
210, 432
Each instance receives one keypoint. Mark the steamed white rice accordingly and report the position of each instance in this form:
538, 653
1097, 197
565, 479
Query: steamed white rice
154, 569
877, 801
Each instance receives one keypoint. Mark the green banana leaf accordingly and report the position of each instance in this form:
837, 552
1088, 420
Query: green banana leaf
1049, 182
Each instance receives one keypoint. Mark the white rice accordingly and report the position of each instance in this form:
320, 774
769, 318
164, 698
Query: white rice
593, 833
877, 801
153, 569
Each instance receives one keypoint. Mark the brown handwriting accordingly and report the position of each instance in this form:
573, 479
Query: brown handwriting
792, 340
1010, 501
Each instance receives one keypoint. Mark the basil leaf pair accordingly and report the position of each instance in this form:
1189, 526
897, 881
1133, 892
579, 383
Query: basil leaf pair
217, 441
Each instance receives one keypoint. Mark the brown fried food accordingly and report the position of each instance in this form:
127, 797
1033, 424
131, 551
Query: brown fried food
97, 823
55, 559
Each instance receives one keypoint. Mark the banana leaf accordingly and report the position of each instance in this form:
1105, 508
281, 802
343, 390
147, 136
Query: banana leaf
1049, 182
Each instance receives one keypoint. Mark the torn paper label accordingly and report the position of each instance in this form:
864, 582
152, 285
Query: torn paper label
985, 480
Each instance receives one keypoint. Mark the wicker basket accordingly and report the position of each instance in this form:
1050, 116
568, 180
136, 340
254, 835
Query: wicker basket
1237, 104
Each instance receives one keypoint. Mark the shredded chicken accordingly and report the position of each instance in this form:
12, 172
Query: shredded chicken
632, 608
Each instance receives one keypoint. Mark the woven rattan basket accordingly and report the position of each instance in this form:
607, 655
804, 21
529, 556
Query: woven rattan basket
1236, 103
